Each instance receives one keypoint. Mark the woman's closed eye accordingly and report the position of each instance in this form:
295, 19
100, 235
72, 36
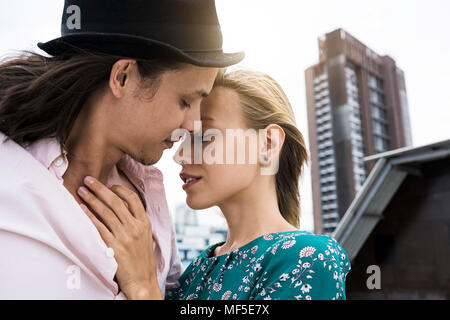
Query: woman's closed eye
208, 138
204, 138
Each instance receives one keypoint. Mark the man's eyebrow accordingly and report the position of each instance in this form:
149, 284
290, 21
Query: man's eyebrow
207, 118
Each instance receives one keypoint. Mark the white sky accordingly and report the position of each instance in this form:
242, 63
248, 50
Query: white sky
280, 38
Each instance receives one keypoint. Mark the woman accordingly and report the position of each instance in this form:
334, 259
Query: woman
265, 256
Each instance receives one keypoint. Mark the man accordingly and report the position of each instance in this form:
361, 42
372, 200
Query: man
122, 77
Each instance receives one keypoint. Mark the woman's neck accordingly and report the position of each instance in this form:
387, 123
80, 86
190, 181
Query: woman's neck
250, 214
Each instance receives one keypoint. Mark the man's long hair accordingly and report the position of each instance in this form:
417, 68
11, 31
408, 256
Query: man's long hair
41, 97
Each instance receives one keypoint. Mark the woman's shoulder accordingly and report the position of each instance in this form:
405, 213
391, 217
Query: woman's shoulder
302, 265
296, 239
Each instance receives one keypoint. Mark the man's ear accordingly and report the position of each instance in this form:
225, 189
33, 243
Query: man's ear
121, 78
120, 74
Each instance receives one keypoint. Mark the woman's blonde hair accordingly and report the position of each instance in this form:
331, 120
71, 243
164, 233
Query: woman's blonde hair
264, 102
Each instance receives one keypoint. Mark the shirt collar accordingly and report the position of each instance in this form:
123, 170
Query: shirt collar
48, 150
138, 170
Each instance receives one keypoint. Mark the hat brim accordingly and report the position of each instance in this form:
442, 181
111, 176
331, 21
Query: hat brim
136, 47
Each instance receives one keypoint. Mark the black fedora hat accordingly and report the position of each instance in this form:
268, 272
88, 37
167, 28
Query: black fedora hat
187, 30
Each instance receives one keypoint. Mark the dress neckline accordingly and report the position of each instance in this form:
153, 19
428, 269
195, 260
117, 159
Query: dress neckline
210, 250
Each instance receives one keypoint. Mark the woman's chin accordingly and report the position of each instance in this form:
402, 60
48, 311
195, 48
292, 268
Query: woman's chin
197, 204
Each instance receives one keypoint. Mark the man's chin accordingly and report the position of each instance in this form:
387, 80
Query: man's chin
146, 161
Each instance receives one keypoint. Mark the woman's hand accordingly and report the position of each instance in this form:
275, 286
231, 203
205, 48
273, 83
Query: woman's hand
124, 226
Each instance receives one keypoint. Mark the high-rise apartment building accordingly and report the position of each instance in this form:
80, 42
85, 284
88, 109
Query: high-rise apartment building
357, 107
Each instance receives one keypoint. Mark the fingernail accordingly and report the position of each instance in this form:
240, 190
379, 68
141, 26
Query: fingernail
83, 191
89, 180
83, 207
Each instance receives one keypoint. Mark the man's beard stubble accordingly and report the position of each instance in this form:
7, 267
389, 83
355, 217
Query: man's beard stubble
142, 159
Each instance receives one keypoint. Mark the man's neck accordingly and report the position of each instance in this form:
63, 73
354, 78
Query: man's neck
89, 154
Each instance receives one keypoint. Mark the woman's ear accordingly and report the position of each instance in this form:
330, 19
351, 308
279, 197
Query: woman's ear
271, 144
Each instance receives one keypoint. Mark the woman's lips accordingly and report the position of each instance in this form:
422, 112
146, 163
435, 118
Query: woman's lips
189, 180
189, 183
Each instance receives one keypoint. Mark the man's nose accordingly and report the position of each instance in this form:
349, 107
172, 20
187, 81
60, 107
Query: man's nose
184, 154
191, 116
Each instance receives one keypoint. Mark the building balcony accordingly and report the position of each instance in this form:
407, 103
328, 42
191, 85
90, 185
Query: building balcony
332, 206
327, 180
325, 154
325, 144
328, 188
330, 197
330, 216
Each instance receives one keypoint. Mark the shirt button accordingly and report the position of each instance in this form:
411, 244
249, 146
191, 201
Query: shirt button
59, 161
110, 252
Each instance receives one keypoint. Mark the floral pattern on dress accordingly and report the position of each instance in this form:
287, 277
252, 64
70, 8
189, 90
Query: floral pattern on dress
277, 266
327, 258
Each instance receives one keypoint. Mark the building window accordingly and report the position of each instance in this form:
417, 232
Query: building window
379, 114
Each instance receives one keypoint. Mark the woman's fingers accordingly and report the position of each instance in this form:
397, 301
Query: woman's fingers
109, 218
112, 201
132, 241
106, 235
132, 199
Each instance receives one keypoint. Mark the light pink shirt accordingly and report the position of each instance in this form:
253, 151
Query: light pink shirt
49, 249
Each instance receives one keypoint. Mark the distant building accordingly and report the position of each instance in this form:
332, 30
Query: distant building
192, 237
357, 106
400, 222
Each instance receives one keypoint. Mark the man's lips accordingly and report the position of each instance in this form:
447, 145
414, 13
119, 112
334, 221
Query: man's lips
169, 143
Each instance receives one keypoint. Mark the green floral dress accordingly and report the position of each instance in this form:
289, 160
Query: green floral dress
278, 266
